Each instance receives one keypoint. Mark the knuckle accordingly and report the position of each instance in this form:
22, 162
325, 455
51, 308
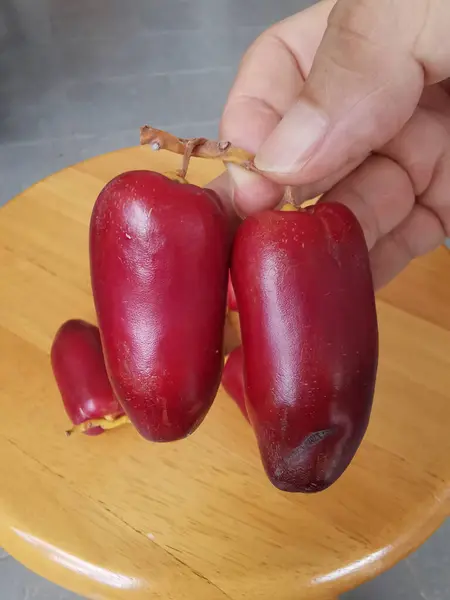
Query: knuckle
353, 19
403, 245
380, 23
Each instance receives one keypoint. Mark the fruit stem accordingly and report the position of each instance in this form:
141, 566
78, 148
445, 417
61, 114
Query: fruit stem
159, 139
176, 176
288, 198
199, 147
106, 423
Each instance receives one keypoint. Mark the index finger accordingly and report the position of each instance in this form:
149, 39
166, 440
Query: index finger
269, 81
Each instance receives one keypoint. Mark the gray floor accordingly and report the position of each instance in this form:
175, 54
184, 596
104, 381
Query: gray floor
78, 78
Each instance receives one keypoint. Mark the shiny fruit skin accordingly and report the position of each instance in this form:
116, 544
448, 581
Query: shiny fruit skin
310, 340
160, 253
80, 373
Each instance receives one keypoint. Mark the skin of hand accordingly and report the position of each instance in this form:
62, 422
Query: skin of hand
350, 99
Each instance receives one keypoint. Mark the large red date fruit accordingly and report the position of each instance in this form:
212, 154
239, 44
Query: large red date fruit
310, 340
160, 254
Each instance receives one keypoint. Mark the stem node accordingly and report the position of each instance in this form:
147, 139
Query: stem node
199, 147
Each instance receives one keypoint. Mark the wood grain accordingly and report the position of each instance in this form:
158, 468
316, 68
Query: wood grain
115, 517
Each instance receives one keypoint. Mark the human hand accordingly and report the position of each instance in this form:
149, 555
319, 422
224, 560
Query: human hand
350, 99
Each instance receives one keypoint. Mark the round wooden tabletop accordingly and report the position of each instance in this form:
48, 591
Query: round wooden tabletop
116, 517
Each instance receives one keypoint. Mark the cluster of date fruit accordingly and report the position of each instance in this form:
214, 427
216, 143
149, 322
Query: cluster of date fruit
166, 265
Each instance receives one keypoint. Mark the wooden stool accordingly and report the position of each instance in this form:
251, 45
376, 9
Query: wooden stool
116, 517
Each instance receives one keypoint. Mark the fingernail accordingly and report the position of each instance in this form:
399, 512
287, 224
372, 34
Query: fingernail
241, 181
294, 141
240, 177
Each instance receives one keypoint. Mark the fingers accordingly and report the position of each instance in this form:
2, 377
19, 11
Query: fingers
379, 193
421, 232
269, 81
382, 197
312, 190
271, 76
422, 148
431, 46
364, 85
400, 197
222, 186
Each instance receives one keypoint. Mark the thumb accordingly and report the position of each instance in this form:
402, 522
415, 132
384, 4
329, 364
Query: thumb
365, 83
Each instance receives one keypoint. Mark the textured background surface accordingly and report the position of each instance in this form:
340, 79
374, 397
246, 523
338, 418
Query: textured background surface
78, 78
